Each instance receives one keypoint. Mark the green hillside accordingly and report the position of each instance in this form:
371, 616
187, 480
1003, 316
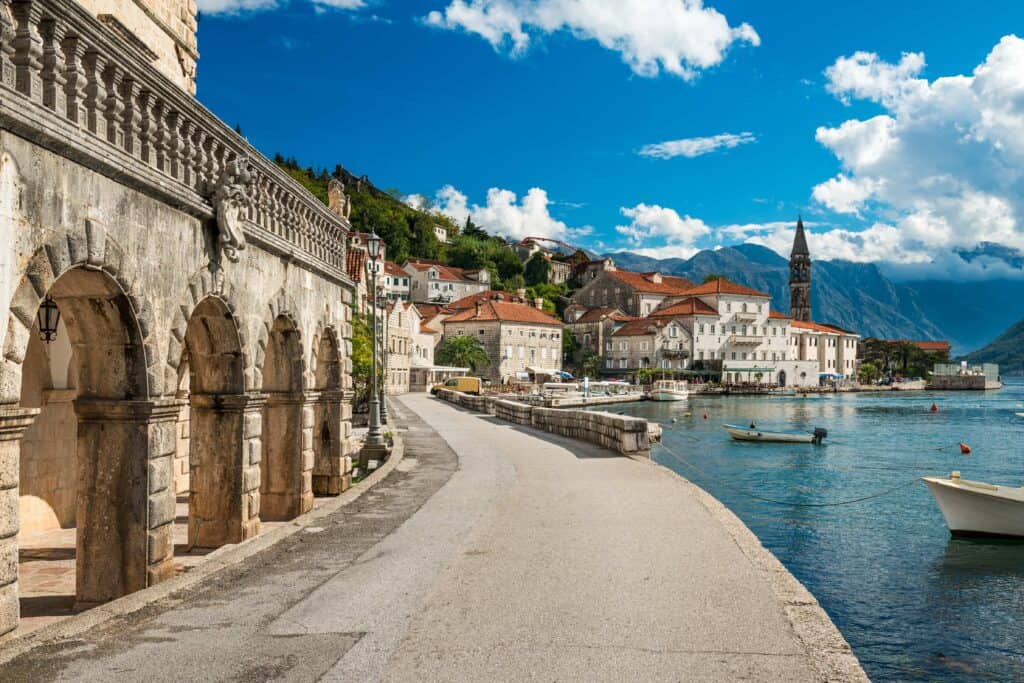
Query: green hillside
1007, 350
409, 232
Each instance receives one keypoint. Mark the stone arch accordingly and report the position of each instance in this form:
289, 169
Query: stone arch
326, 359
286, 489
208, 282
331, 469
281, 306
92, 250
99, 382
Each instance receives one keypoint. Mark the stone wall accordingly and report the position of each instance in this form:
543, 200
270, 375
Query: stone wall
630, 436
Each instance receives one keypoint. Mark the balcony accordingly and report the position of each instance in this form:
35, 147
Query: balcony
675, 353
72, 85
744, 340
745, 317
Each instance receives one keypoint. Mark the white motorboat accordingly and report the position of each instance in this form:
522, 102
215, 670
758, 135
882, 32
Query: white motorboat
670, 390
973, 508
754, 433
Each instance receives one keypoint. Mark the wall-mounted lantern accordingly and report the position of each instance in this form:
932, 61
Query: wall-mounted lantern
48, 318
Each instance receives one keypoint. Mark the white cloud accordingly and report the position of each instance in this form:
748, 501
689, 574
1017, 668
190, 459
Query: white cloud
942, 167
679, 37
506, 214
241, 6
695, 147
653, 223
416, 201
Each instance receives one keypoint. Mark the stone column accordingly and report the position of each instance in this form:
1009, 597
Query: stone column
224, 468
332, 468
126, 496
13, 423
286, 470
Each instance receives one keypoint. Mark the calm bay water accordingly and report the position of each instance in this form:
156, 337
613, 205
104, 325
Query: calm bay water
913, 603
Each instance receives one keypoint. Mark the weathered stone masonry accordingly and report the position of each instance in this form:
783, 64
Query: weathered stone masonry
203, 304
630, 436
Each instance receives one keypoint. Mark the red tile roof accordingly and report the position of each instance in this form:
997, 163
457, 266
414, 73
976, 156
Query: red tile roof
818, 327
645, 282
492, 294
448, 273
930, 346
506, 312
779, 316
595, 315
723, 286
355, 260
394, 269
640, 327
689, 306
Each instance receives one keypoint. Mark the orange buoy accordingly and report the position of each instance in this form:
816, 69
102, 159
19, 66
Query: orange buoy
705, 416
964, 448
935, 408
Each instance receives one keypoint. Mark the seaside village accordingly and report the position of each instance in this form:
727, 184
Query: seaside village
715, 333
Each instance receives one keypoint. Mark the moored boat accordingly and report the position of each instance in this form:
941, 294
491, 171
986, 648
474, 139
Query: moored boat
974, 508
754, 433
669, 390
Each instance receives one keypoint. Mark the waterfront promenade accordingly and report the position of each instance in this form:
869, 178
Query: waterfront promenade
493, 552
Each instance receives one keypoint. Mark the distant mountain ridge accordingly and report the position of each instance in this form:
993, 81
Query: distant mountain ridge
859, 297
1007, 350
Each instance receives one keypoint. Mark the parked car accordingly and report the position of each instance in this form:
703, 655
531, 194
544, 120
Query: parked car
467, 385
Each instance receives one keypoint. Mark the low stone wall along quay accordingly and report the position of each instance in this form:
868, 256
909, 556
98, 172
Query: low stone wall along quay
630, 436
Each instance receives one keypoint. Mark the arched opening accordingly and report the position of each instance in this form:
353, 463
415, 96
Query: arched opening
223, 429
331, 470
94, 508
782, 378
286, 489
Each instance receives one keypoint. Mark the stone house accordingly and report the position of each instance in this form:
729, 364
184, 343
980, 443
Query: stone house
586, 271
431, 281
592, 328
635, 294
400, 331
518, 338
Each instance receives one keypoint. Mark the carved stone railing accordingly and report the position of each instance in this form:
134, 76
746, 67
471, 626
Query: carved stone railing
71, 85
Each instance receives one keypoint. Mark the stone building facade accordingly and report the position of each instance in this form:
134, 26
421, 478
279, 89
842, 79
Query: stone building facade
204, 304
164, 29
519, 339
636, 294
431, 281
403, 323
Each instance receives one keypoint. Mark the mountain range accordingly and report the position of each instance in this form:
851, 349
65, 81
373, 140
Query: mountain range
859, 297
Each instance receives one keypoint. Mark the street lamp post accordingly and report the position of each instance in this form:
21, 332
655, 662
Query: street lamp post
386, 351
375, 437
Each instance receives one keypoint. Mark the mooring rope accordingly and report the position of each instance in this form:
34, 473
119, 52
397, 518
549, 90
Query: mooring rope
787, 503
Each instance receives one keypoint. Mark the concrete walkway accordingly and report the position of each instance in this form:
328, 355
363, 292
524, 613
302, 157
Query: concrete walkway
493, 553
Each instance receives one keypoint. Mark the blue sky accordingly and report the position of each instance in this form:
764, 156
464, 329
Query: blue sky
548, 116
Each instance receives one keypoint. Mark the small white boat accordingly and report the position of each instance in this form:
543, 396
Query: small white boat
1019, 414
973, 508
754, 433
670, 390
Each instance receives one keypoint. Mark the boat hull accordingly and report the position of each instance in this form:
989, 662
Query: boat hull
977, 509
663, 395
747, 434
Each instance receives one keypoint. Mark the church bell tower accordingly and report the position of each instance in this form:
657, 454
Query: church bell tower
800, 276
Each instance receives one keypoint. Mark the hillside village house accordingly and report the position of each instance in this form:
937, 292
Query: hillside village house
520, 340
396, 281
430, 281
592, 328
402, 322
636, 294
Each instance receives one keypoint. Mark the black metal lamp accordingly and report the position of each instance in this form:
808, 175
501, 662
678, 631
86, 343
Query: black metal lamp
48, 318
373, 243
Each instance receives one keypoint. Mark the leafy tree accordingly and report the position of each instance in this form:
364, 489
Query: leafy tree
462, 351
570, 347
711, 277
590, 366
537, 269
362, 358
868, 372
473, 230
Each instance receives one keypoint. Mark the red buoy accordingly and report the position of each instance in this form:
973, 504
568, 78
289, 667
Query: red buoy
935, 408
705, 416
964, 448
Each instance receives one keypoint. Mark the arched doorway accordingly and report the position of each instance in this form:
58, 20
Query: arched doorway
286, 489
93, 466
331, 476
224, 428
782, 378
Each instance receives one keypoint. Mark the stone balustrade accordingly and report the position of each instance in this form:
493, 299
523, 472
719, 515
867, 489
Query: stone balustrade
630, 436
70, 84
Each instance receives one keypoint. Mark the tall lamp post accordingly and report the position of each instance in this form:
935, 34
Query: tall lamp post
386, 350
375, 437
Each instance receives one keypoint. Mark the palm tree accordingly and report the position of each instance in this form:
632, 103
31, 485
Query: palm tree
464, 352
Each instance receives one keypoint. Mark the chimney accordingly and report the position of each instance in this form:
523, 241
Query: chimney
539, 303
478, 307
521, 293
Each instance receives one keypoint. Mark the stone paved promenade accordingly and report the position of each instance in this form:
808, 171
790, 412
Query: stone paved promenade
495, 553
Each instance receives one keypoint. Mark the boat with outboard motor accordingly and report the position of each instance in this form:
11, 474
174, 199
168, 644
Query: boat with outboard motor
974, 508
755, 433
